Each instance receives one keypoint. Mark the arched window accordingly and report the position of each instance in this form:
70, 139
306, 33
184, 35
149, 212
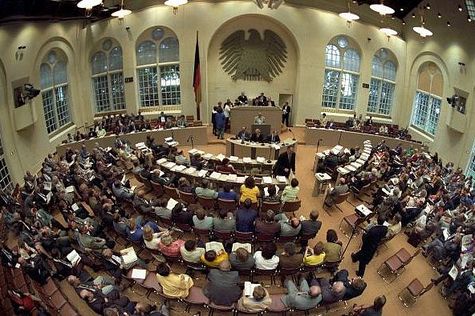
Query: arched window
54, 90
426, 108
383, 82
342, 67
107, 78
158, 68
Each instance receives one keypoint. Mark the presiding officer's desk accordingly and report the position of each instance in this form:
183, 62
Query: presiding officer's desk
331, 137
235, 147
244, 116
181, 135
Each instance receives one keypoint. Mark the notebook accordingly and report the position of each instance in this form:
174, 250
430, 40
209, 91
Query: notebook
238, 245
128, 255
171, 203
249, 288
139, 274
214, 245
73, 257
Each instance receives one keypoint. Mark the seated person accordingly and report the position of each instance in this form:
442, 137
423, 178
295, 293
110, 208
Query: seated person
197, 161
212, 259
201, 221
121, 192
249, 190
241, 259
181, 159
243, 134
291, 191
354, 287
204, 190
259, 119
266, 258
332, 247
310, 227
258, 302
225, 167
257, 136
302, 298
288, 228
267, 225
271, 194
315, 256
134, 231
245, 217
227, 193
223, 285
181, 122
184, 185
141, 203
190, 252
225, 221
161, 209
169, 247
290, 259
152, 239
273, 137
331, 293
338, 190
174, 285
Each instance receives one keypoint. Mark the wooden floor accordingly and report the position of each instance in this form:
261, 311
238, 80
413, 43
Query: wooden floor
431, 303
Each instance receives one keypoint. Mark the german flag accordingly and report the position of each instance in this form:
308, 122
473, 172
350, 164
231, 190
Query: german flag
197, 78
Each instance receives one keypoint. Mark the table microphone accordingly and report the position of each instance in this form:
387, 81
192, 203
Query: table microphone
293, 135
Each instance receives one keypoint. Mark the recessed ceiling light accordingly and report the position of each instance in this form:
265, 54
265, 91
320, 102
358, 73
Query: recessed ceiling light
349, 16
439, 15
401, 9
413, 15
422, 31
428, 6
88, 4
469, 19
448, 23
460, 8
121, 13
382, 9
388, 31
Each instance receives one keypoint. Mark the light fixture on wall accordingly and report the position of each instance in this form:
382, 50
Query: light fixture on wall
421, 30
271, 4
122, 12
388, 31
382, 8
175, 4
349, 16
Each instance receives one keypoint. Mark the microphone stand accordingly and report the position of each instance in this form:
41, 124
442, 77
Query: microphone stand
190, 138
353, 232
339, 137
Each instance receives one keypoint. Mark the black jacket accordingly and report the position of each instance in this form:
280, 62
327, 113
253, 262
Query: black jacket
283, 162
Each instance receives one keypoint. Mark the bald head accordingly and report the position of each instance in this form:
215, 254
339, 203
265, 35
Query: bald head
225, 265
314, 291
338, 287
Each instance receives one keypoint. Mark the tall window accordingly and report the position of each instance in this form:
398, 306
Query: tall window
342, 67
107, 78
54, 90
471, 163
383, 77
158, 69
428, 99
5, 181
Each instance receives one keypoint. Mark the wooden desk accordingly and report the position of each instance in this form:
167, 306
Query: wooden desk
181, 135
234, 147
331, 137
244, 116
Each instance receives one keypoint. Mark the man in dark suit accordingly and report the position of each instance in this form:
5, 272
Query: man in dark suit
285, 163
371, 240
273, 138
286, 114
354, 287
222, 287
310, 227
243, 134
257, 136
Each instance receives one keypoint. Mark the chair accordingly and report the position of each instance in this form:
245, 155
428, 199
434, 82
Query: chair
222, 308
414, 290
264, 238
277, 306
228, 205
291, 206
186, 197
196, 297
57, 300
275, 206
67, 310
336, 201
157, 188
405, 256
206, 203
202, 234
394, 266
171, 192
292, 273
138, 177
223, 235
147, 183
353, 221
332, 267
284, 239
272, 273
244, 237
151, 284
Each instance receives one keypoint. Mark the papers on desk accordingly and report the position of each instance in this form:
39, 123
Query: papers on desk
169, 164
275, 146
172, 144
350, 168
220, 157
247, 159
267, 180
471, 287
320, 155
168, 139
281, 179
202, 173
214, 245
240, 179
326, 152
367, 141
266, 190
171, 203
140, 145
346, 151
238, 245
47, 186
215, 175
356, 165
189, 170
116, 259
342, 171
445, 233
337, 149
179, 168
260, 159
128, 255
207, 156
453, 272
193, 151
466, 242
223, 177
360, 161
362, 209
69, 189
161, 161
249, 288
232, 177
233, 158
75, 207
322, 177
73, 257
139, 274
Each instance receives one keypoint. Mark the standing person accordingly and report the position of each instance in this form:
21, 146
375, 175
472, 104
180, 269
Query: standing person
286, 114
285, 163
371, 240
213, 119
227, 113
220, 121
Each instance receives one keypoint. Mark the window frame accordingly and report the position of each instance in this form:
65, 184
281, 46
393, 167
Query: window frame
6, 184
382, 108
431, 99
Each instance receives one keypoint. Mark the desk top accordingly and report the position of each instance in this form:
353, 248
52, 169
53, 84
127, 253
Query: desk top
287, 142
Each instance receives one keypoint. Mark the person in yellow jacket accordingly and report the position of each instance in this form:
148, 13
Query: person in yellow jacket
174, 285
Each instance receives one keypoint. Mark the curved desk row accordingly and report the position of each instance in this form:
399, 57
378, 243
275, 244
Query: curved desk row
331, 137
235, 147
181, 135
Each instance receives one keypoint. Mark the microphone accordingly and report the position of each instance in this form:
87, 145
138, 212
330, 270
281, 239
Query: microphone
318, 143
293, 135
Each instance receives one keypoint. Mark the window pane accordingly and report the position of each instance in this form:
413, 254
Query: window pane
146, 53
60, 73
374, 95
471, 163
115, 59
434, 113
332, 56
169, 50
148, 86
351, 60
330, 88
377, 67
46, 78
49, 111
349, 83
5, 181
62, 106
387, 92
420, 109
170, 84
390, 71
101, 91
117, 86
99, 63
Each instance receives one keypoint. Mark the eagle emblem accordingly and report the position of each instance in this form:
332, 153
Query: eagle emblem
253, 59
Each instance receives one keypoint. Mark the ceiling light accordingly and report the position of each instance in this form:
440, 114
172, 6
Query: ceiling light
382, 9
175, 4
401, 9
422, 31
448, 23
348, 16
88, 4
428, 6
388, 31
413, 15
403, 22
439, 15
460, 8
122, 12
469, 19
